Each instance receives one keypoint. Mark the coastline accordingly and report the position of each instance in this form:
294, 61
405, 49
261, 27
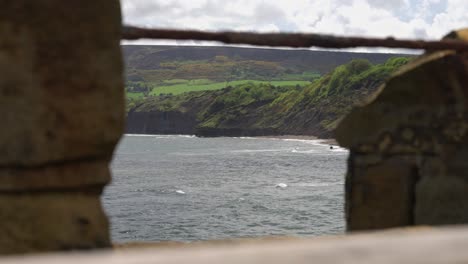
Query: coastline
327, 141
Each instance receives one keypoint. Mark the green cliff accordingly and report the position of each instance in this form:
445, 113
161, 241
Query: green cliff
255, 109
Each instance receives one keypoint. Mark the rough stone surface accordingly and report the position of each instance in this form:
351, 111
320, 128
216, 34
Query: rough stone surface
441, 195
61, 95
409, 144
49, 221
394, 180
62, 113
412, 246
67, 175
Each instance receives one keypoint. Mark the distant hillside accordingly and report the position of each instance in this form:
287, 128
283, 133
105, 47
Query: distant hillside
144, 63
254, 109
162, 70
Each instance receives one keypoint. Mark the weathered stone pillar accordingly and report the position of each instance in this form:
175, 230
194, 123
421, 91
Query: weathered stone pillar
408, 163
62, 113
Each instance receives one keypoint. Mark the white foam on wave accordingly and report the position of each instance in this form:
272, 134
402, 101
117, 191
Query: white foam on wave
318, 142
298, 140
281, 185
317, 184
139, 135
160, 136
323, 142
258, 150
304, 151
180, 192
186, 136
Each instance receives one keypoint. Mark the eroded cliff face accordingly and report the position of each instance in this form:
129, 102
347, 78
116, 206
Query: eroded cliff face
174, 122
162, 122
306, 122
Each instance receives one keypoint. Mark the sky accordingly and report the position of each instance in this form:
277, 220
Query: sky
422, 19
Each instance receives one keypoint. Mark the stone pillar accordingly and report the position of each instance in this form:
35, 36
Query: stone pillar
408, 161
62, 113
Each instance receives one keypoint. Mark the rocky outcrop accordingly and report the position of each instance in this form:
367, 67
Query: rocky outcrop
235, 132
184, 123
409, 146
161, 122
62, 105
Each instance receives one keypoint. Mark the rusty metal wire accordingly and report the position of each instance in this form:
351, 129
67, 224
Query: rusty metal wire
294, 40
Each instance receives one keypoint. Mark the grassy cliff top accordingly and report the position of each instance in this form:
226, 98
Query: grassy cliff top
310, 109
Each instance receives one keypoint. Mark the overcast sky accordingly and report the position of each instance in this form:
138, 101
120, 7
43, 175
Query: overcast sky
427, 19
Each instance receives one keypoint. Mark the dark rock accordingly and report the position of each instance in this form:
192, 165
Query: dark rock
413, 169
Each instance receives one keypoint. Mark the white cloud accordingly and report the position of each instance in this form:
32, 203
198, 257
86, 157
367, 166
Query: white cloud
389, 4
429, 19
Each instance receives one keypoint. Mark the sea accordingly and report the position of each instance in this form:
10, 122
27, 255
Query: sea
185, 188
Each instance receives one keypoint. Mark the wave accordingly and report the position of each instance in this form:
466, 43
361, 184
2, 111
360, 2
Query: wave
315, 142
317, 184
139, 135
293, 150
247, 137
299, 140
160, 136
318, 142
281, 185
304, 151
260, 150
323, 142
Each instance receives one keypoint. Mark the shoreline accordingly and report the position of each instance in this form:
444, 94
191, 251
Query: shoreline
291, 137
327, 141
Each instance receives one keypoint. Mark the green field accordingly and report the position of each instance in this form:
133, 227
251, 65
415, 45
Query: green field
179, 86
132, 95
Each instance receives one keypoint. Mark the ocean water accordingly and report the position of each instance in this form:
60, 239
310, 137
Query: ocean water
184, 188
